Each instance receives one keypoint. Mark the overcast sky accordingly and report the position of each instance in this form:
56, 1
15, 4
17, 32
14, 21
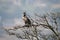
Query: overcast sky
11, 10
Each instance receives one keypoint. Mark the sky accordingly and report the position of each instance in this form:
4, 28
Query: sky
11, 11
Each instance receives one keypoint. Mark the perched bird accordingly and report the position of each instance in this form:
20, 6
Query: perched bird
26, 19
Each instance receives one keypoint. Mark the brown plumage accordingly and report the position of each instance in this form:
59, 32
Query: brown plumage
26, 19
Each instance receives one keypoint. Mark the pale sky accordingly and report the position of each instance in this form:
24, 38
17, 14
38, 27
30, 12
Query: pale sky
11, 10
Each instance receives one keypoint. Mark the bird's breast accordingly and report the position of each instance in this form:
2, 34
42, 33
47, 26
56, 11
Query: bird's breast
24, 18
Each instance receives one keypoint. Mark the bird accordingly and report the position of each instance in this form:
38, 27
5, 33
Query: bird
26, 19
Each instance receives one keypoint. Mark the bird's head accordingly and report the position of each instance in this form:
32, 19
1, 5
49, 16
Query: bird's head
24, 13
